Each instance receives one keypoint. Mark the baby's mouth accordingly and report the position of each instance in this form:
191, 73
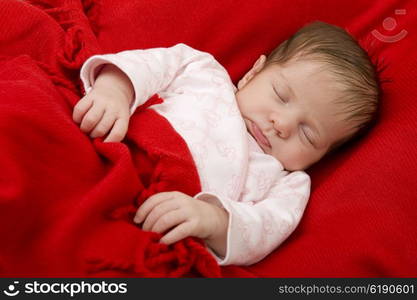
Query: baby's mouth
258, 135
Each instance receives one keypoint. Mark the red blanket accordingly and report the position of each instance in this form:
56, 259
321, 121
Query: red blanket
65, 200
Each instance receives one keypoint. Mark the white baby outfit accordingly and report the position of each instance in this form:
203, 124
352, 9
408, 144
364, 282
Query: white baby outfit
265, 203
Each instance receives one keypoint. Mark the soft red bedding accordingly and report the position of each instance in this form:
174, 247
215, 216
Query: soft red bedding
361, 220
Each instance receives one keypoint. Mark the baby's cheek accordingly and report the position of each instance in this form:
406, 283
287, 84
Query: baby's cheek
295, 160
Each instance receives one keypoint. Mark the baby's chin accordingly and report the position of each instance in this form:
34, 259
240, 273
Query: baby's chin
294, 166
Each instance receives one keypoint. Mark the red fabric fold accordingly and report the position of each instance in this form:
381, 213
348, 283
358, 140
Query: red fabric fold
67, 201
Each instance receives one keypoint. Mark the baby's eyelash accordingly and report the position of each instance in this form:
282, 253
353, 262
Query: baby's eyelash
307, 137
280, 98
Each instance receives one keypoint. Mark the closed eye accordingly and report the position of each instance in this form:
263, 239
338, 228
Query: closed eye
307, 137
278, 95
304, 129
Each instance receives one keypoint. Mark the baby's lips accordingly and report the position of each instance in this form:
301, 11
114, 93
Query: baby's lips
259, 135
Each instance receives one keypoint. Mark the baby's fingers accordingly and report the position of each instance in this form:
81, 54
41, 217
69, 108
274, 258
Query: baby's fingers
92, 117
118, 131
104, 125
178, 233
81, 108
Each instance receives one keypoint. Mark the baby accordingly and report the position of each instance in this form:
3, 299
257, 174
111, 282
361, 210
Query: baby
250, 144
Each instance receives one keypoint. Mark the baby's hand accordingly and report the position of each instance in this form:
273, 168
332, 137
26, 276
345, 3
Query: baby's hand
103, 111
184, 216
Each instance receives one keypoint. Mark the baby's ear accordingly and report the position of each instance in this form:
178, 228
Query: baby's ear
259, 63
256, 68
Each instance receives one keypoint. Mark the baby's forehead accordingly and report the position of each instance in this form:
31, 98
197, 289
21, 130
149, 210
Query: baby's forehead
309, 70
312, 81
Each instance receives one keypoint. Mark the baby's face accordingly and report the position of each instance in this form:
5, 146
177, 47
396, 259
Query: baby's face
290, 111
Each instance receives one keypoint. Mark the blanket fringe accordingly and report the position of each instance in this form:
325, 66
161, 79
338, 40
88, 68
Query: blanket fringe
181, 258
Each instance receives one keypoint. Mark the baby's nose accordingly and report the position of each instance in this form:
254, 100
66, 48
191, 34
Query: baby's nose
282, 128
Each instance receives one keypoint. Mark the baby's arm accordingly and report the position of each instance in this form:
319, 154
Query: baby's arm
106, 107
148, 71
256, 229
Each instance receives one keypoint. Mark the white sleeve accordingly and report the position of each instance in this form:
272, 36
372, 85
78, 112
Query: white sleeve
150, 71
256, 229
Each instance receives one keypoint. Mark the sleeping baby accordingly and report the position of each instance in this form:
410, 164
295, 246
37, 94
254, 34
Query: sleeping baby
250, 143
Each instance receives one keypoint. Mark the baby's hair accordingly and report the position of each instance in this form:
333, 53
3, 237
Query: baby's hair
347, 61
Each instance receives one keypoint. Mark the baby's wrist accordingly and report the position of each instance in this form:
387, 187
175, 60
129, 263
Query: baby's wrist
111, 78
218, 240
